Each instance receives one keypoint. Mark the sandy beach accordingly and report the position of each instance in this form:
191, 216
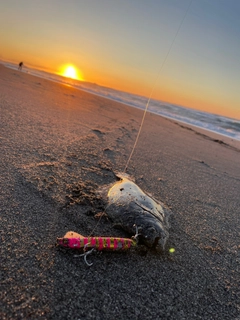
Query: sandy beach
58, 145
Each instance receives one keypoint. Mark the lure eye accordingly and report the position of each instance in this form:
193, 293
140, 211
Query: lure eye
62, 241
65, 241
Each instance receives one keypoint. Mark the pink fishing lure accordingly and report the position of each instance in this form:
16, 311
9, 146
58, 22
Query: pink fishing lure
75, 240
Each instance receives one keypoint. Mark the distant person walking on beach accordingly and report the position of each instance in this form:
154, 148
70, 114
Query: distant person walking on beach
20, 65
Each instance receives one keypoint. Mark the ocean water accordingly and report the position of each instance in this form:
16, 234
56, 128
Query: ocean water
212, 122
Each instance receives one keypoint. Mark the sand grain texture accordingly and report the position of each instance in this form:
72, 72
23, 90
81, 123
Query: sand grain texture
58, 145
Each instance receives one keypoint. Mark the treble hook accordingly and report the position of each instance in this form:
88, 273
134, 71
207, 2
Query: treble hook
85, 254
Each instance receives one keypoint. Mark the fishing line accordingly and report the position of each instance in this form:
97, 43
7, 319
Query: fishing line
154, 86
149, 99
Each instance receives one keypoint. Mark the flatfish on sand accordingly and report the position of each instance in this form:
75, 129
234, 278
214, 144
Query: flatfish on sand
128, 206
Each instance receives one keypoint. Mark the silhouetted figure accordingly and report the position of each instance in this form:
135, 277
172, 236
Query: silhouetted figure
20, 65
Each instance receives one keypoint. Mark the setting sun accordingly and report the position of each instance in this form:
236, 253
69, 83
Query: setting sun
72, 72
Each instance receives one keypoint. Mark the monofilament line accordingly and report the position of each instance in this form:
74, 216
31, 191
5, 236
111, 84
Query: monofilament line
153, 88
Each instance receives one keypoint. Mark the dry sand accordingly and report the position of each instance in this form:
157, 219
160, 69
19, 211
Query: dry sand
58, 145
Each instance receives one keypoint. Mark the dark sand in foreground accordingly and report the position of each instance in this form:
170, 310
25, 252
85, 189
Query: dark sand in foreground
57, 145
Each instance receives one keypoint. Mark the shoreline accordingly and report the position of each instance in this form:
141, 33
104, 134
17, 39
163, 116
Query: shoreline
217, 137
226, 139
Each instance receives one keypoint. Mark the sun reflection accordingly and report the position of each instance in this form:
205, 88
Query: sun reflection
70, 71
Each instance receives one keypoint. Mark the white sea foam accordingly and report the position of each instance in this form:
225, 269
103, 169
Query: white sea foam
216, 123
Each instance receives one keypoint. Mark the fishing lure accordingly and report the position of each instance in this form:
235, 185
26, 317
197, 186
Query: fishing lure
74, 240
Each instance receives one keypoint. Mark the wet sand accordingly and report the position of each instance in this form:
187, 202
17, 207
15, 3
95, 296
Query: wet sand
58, 145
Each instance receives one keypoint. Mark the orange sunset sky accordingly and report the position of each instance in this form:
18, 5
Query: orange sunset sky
123, 44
